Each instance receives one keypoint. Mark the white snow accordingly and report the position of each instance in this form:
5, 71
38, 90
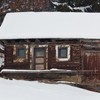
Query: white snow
23, 71
33, 90
60, 4
1, 56
1, 47
50, 25
83, 9
36, 71
1, 60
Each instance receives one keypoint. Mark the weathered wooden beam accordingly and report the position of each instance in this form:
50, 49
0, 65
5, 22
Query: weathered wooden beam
48, 71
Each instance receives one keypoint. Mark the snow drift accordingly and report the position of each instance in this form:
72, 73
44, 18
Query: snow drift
33, 90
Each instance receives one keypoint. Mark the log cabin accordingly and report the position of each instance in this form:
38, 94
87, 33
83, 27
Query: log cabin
42, 41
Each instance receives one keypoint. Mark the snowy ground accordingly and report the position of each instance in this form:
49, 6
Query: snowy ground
33, 90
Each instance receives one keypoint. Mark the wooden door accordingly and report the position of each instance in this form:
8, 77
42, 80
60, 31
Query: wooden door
40, 58
92, 61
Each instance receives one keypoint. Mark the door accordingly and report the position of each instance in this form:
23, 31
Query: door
40, 58
92, 61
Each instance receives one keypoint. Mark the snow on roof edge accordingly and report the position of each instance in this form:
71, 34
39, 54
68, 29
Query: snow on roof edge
70, 34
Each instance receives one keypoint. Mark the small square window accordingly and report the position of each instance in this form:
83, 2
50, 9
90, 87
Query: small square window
62, 52
21, 52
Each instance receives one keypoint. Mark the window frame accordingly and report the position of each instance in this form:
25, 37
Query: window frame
57, 52
18, 50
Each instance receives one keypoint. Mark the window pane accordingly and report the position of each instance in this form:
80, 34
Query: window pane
62, 52
21, 52
39, 52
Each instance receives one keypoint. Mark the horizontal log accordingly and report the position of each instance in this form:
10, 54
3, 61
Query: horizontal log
48, 71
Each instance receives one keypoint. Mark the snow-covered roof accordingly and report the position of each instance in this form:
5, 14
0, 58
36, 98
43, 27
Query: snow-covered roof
50, 25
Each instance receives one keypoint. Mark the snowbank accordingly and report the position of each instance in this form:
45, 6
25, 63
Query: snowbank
25, 90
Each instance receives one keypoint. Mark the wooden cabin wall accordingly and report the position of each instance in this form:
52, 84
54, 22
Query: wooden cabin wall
91, 58
12, 62
74, 63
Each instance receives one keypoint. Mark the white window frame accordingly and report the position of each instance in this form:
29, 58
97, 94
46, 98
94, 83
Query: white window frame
68, 53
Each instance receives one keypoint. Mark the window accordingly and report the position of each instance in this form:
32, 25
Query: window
62, 52
39, 52
21, 52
